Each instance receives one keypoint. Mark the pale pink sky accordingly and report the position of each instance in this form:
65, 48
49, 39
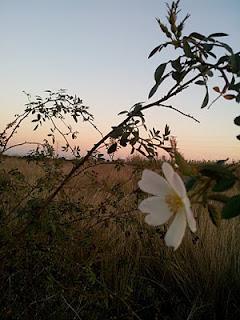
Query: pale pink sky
98, 50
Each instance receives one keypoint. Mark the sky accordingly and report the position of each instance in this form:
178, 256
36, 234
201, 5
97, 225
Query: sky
98, 50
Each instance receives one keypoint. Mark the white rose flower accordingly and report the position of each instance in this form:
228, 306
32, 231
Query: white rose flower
169, 198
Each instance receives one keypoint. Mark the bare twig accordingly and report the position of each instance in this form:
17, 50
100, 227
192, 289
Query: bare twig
170, 94
63, 135
179, 111
21, 118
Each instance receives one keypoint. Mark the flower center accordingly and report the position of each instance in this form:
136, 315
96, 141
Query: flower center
174, 202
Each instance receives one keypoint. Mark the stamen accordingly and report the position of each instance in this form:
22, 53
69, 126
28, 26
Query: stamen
174, 202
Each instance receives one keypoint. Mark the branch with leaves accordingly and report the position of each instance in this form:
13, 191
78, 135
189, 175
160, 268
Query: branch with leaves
197, 59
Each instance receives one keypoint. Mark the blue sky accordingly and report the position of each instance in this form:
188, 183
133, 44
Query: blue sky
98, 50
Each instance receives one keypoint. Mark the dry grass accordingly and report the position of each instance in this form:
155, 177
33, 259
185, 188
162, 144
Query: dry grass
110, 265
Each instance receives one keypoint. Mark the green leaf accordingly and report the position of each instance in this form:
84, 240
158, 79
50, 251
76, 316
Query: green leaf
134, 140
235, 63
208, 47
216, 171
187, 49
166, 130
178, 76
217, 35
197, 35
159, 72
232, 83
231, 208
158, 48
124, 139
227, 47
112, 148
205, 100
237, 121
234, 86
176, 64
224, 177
223, 59
153, 90
117, 132
191, 183
122, 112
213, 55
200, 82
209, 73
238, 98
224, 184
137, 107
214, 215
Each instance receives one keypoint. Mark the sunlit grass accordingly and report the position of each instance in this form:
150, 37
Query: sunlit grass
101, 261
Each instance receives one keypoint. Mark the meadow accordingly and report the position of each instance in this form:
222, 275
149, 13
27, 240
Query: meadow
73, 243
92, 256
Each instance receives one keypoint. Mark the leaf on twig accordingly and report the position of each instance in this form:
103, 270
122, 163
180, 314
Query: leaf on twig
229, 96
237, 121
205, 100
217, 89
231, 208
200, 82
214, 215
152, 91
197, 35
112, 148
159, 72
158, 48
217, 35
187, 49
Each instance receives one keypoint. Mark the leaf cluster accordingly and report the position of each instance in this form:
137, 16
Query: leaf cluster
199, 57
211, 183
130, 134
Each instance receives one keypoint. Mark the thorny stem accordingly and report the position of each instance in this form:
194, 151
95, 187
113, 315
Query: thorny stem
170, 94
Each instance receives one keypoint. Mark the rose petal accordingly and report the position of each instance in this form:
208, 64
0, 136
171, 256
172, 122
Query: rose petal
175, 233
174, 179
168, 171
189, 214
178, 185
158, 210
153, 183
